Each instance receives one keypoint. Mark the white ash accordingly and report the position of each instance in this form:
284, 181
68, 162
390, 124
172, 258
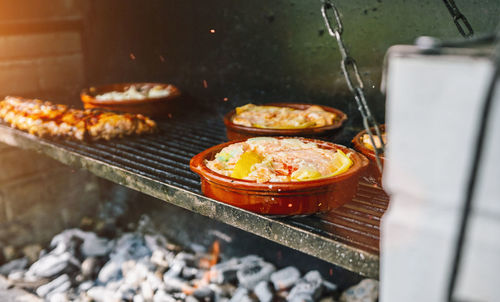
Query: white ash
285, 278
14, 265
366, 290
143, 266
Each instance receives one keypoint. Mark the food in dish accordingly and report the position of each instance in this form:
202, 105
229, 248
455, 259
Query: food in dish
274, 117
267, 159
281, 198
368, 142
46, 119
136, 92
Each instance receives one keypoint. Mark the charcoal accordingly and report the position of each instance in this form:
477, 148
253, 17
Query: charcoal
241, 295
173, 284
365, 291
190, 273
130, 246
60, 284
147, 268
264, 292
191, 299
225, 271
14, 265
138, 298
162, 258
114, 285
154, 281
101, 294
188, 258
313, 277
223, 290
155, 242
253, 273
53, 264
147, 291
251, 259
127, 295
90, 267
309, 286
16, 275
58, 297
110, 271
301, 289
176, 268
285, 278
300, 298
204, 293
135, 272
179, 296
162, 296
85, 286
126, 291
69, 243
329, 287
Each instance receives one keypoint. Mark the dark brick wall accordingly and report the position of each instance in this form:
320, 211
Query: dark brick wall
41, 49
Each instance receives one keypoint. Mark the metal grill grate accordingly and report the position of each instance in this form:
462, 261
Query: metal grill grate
158, 165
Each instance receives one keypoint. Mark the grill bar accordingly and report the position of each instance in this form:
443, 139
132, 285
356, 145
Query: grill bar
158, 165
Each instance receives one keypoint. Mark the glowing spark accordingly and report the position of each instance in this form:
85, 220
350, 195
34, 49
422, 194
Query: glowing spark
212, 31
225, 99
205, 84
162, 59
132, 56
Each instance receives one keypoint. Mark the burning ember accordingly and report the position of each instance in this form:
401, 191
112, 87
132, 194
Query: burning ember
143, 265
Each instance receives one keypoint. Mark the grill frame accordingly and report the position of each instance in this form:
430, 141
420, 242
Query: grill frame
158, 165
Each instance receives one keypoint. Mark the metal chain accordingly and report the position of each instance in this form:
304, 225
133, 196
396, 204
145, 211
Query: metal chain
459, 19
348, 65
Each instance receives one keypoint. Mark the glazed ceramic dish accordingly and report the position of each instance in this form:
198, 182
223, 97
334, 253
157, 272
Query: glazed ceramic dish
150, 105
281, 198
235, 131
372, 171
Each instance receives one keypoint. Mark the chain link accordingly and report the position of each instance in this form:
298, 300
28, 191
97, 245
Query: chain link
348, 65
459, 19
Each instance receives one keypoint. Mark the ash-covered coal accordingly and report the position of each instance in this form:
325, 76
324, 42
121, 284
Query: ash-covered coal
142, 265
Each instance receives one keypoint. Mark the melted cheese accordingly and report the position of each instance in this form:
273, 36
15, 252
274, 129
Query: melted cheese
266, 159
274, 117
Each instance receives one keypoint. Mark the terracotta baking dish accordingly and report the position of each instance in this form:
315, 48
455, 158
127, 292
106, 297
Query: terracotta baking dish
235, 131
288, 198
372, 171
157, 107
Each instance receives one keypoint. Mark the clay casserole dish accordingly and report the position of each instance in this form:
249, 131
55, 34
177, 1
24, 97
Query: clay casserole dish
235, 131
360, 146
157, 107
281, 198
